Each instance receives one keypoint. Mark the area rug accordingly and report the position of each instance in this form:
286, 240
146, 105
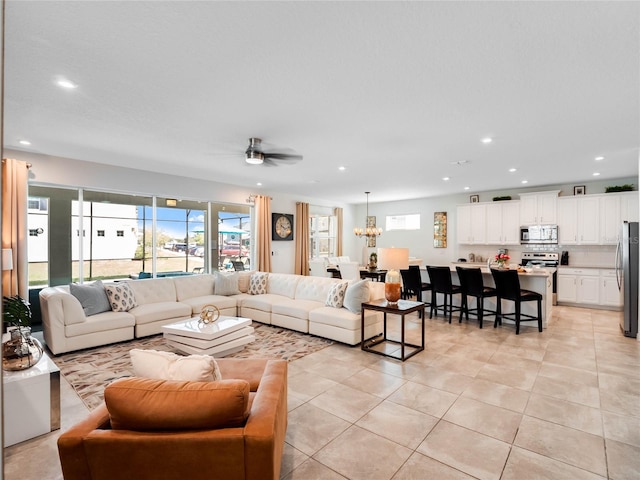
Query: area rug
90, 370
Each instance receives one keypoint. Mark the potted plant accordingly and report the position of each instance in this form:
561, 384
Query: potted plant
373, 261
20, 350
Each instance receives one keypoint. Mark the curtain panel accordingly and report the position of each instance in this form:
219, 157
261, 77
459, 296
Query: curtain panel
263, 233
302, 239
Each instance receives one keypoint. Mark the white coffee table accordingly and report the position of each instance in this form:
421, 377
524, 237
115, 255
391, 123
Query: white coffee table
223, 337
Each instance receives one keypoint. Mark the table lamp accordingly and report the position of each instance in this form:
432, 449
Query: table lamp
393, 260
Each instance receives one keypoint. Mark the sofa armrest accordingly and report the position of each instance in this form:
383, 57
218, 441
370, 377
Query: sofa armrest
267, 424
74, 463
59, 309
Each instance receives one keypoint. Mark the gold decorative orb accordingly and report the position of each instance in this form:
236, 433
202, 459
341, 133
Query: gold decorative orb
209, 314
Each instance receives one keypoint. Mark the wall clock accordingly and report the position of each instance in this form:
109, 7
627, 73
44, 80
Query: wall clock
281, 226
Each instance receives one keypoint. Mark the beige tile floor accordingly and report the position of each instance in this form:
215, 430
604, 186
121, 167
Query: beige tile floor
485, 404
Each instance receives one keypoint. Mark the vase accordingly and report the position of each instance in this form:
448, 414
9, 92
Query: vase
21, 350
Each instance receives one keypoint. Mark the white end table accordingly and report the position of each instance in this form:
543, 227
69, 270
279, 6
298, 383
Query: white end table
223, 337
31, 401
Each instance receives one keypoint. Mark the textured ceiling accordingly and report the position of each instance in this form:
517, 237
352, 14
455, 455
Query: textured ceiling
397, 92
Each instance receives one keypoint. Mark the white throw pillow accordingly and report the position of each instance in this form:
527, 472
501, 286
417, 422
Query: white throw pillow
258, 283
120, 297
226, 283
170, 366
357, 293
335, 298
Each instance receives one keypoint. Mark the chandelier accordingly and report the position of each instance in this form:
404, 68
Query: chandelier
368, 231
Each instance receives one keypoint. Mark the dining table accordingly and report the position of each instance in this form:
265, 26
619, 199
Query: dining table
365, 272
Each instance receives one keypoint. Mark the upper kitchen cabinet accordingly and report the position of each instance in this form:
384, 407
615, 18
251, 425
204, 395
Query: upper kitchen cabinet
538, 208
471, 224
616, 208
503, 223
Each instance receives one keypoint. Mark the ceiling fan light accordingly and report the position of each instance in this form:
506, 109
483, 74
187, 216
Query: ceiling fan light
254, 158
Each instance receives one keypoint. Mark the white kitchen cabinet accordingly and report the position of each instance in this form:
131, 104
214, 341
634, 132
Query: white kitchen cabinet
610, 294
503, 223
616, 208
471, 224
629, 207
538, 208
581, 286
578, 220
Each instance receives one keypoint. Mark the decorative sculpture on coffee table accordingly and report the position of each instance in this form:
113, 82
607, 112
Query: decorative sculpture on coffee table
209, 314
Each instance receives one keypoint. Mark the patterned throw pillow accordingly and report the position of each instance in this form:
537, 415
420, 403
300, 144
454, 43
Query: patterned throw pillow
121, 297
335, 298
258, 283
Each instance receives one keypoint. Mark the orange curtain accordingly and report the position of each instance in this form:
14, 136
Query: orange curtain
263, 233
338, 213
302, 239
14, 226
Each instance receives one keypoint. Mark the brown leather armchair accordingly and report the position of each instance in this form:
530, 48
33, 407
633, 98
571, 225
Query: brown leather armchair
137, 433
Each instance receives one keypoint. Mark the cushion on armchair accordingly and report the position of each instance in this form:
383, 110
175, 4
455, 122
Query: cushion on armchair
142, 404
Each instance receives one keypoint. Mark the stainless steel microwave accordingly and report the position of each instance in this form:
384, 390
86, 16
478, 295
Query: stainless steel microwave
539, 234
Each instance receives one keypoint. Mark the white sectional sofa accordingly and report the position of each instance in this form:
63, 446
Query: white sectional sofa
291, 301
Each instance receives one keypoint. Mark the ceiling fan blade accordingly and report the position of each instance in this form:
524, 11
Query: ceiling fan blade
283, 156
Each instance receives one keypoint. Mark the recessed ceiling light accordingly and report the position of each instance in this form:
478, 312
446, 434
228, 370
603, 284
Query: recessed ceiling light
466, 188
446, 179
599, 158
595, 174
513, 170
259, 184
486, 140
25, 142
68, 84
525, 181
342, 168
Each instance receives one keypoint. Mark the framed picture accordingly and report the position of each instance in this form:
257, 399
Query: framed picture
474, 198
440, 230
579, 190
371, 221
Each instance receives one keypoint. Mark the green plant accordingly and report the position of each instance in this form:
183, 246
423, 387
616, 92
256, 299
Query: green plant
16, 311
627, 187
499, 199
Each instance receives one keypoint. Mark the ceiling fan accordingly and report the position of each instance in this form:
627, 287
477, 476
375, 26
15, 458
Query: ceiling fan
257, 154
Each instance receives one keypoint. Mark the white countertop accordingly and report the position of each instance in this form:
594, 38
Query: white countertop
535, 272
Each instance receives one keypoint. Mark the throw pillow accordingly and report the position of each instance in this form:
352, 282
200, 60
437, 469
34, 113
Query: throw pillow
92, 297
356, 294
335, 298
170, 366
226, 283
121, 297
143, 404
258, 283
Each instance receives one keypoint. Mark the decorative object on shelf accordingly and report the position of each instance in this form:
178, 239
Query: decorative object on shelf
474, 198
393, 260
20, 350
440, 230
500, 199
373, 261
579, 190
627, 187
370, 232
209, 314
502, 259
281, 226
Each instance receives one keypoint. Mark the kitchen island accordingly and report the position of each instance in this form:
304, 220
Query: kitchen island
539, 280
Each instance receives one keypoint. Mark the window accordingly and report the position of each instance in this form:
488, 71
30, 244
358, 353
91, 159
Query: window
322, 235
100, 233
119, 233
403, 222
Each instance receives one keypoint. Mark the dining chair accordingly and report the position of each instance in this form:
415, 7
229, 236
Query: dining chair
349, 270
238, 266
318, 268
472, 285
440, 278
508, 288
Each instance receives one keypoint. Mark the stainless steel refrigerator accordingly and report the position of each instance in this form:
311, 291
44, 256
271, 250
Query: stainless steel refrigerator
627, 264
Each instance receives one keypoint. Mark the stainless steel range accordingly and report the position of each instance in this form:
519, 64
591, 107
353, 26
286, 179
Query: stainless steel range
544, 259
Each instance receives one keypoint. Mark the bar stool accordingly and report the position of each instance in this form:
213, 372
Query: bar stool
472, 285
440, 278
413, 284
508, 287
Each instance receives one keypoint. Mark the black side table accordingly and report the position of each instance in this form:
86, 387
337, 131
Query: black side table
383, 345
